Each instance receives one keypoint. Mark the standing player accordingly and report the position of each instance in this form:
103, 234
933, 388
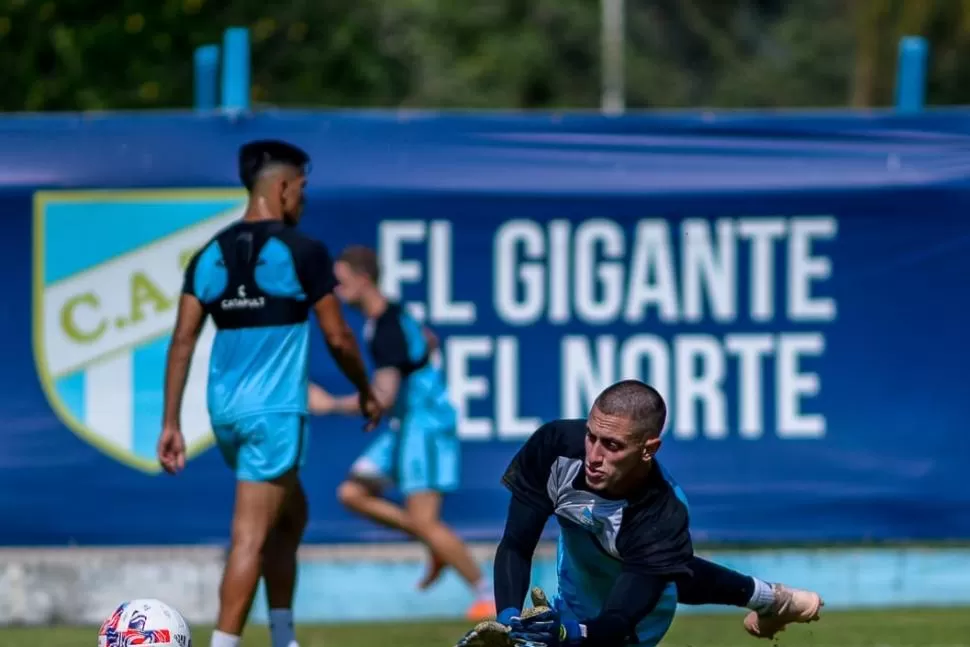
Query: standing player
625, 554
420, 456
259, 279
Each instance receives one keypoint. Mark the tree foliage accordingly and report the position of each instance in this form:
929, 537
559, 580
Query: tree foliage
125, 54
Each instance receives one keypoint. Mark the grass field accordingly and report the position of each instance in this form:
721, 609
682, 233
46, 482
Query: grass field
896, 628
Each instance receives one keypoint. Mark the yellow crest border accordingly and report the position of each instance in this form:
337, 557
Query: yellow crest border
41, 200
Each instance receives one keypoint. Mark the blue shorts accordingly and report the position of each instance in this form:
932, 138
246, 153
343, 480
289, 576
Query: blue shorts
417, 457
263, 447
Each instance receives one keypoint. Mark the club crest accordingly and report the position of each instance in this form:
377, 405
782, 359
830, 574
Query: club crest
108, 269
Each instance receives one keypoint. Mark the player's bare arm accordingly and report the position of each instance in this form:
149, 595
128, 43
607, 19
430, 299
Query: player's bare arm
188, 326
345, 351
431, 339
385, 386
340, 341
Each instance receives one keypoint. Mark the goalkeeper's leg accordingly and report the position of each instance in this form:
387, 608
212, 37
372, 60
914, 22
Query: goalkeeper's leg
280, 567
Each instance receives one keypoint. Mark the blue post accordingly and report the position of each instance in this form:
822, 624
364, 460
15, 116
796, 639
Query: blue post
235, 69
911, 74
206, 81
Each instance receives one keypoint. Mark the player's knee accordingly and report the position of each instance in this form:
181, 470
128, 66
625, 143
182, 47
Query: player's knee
297, 510
424, 526
423, 509
248, 539
292, 522
280, 548
422, 529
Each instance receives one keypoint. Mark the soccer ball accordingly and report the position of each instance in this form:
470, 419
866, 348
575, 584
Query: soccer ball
145, 622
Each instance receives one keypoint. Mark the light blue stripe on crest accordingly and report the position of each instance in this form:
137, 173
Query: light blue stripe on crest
70, 391
148, 382
118, 227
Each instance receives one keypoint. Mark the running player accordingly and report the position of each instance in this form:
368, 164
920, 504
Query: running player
259, 279
625, 553
421, 455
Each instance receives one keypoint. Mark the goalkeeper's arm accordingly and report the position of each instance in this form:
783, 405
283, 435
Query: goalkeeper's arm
513, 558
633, 596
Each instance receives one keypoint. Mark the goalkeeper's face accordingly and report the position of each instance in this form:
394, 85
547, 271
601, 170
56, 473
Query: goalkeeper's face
617, 454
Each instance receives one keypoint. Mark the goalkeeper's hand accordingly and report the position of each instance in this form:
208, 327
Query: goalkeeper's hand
496, 633
541, 626
486, 634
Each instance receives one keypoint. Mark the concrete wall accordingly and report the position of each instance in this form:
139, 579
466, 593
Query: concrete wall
82, 586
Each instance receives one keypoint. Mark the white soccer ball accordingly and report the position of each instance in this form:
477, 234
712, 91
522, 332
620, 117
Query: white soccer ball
145, 622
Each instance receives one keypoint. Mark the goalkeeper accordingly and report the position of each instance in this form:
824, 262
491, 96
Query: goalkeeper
624, 544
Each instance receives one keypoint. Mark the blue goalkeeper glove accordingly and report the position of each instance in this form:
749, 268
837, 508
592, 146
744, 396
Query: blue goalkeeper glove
542, 626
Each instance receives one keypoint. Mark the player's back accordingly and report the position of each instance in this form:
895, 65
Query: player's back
397, 339
252, 278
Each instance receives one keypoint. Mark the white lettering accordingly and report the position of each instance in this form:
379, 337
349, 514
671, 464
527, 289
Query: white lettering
444, 309
510, 424
652, 281
654, 350
791, 386
710, 270
697, 368
762, 232
509, 272
253, 303
589, 236
464, 387
559, 231
704, 388
750, 351
583, 376
395, 270
803, 268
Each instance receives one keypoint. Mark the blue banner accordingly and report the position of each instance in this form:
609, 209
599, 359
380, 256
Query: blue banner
794, 286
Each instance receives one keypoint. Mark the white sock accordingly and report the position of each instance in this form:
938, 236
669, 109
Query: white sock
483, 589
281, 628
220, 639
763, 596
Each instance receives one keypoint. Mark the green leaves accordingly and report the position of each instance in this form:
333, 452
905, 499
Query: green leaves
506, 54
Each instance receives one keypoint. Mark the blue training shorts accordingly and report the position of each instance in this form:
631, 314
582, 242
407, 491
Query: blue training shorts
263, 447
416, 457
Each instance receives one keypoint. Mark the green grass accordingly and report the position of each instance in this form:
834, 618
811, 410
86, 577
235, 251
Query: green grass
896, 628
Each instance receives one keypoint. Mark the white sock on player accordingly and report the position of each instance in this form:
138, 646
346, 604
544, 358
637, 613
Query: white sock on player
220, 639
281, 628
763, 596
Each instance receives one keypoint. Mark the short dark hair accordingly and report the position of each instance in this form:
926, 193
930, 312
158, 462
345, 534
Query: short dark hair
362, 260
636, 401
257, 155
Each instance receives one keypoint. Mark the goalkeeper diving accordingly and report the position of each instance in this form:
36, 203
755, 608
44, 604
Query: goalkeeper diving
625, 554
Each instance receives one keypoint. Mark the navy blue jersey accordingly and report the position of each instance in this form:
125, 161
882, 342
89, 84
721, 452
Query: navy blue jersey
258, 281
396, 340
602, 538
